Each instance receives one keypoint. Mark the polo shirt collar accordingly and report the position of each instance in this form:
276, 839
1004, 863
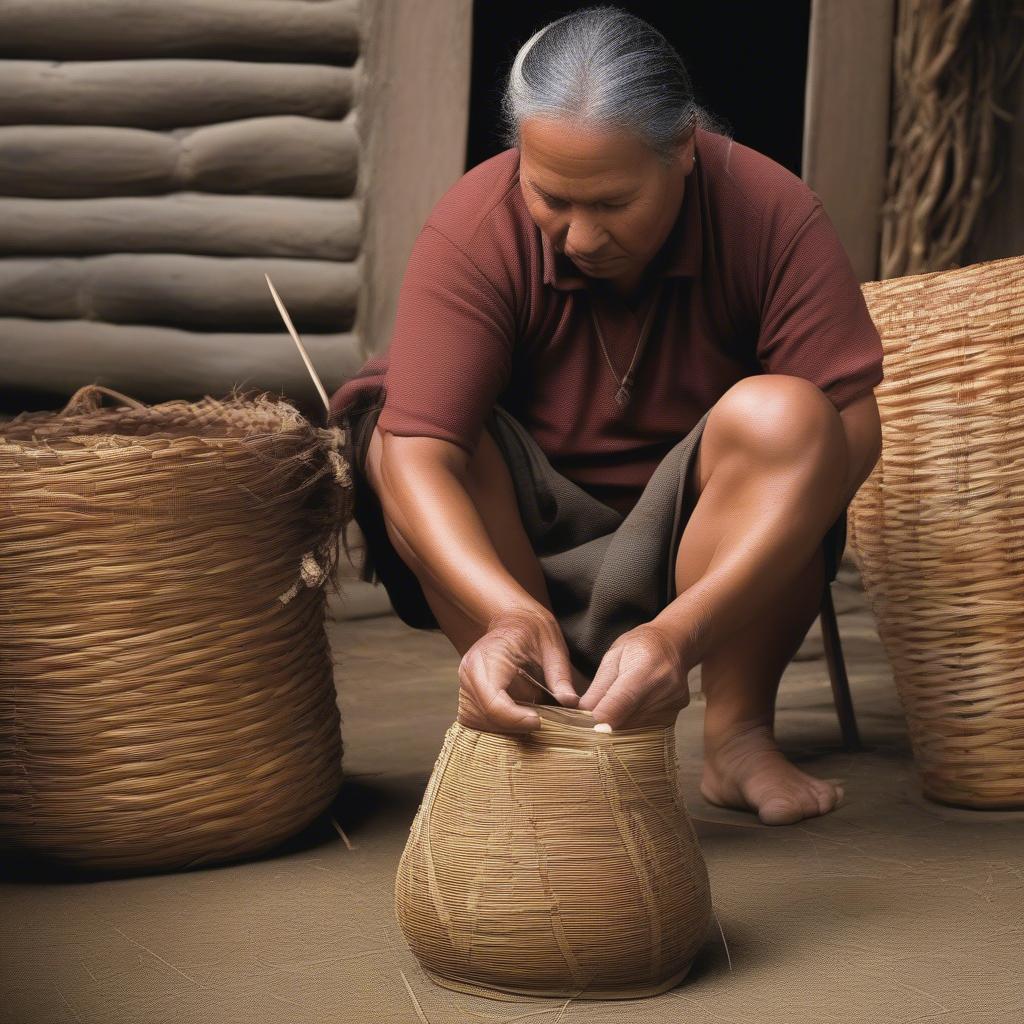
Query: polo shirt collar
682, 248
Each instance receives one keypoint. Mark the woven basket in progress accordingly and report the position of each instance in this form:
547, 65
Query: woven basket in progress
166, 693
557, 863
937, 529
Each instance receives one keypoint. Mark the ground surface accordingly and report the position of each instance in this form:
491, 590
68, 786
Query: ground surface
890, 909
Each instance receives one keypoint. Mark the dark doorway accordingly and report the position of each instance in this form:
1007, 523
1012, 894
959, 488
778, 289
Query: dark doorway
748, 63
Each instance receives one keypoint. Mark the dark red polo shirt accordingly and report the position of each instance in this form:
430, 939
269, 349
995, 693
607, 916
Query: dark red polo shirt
755, 280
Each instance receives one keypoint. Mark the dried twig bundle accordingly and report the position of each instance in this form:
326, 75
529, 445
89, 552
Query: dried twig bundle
952, 61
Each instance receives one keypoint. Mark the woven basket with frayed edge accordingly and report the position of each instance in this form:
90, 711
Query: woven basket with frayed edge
560, 862
937, 529
166, 692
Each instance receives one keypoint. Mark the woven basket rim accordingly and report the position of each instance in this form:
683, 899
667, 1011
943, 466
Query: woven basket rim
556, 720
233, 419
950, 274
581, 719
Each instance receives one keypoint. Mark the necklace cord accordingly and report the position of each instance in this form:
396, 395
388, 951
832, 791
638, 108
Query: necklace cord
626, 383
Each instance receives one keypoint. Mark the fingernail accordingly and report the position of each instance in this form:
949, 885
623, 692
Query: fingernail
602, 727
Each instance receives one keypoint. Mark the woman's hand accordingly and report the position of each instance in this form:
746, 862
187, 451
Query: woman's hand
489, 679
641, 681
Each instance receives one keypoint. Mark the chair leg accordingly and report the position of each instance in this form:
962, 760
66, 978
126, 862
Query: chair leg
837, 673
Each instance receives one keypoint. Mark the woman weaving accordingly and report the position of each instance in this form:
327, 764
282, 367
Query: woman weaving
628, 397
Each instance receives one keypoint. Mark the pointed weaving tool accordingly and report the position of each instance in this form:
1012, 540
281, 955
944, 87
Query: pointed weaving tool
295, 337
599, 727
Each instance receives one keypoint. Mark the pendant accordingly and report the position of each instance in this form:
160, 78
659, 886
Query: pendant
622, 396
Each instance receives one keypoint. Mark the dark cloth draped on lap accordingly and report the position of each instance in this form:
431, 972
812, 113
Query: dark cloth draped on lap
606, 573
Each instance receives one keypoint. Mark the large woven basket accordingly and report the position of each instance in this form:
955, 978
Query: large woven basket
937, 530
562, 862
166, 694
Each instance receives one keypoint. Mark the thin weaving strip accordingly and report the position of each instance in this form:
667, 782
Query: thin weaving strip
937, 529
558, 923
423, 833
630, 843
598, 888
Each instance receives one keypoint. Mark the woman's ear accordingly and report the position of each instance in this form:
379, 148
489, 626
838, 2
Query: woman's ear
685, 155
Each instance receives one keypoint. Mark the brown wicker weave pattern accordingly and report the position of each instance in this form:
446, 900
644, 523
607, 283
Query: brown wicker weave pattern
937, 529
166, 694
559, 863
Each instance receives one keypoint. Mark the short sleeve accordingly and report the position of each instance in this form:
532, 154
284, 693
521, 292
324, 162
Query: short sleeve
814, 320
450, 354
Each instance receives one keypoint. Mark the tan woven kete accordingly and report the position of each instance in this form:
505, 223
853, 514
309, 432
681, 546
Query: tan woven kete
557, 863
166, 693
937, 530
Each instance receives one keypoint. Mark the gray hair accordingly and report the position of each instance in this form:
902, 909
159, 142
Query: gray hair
602, 67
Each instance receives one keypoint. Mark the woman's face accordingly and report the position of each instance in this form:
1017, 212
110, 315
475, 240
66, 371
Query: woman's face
602, 197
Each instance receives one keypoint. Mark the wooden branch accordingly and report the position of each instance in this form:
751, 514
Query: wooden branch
159, 363
168, 93
281, 155
199, 292
109, 29
185, 222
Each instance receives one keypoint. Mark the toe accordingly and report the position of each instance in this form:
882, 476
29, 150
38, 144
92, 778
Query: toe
833, 795
825, 796
781, 809
812, 803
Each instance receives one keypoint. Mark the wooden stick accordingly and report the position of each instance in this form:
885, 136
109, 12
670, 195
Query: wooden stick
295, 337
523, 672
599, 727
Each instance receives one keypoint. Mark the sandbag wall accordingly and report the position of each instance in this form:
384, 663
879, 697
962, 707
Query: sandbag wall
155, 161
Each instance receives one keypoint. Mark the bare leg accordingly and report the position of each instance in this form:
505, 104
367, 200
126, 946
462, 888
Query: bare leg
491, 488
765, 503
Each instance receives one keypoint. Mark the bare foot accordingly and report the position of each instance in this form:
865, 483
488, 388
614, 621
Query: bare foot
747, 770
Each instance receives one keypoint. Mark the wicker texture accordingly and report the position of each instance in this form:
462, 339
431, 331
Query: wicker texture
557, 863
166, 691
937, 529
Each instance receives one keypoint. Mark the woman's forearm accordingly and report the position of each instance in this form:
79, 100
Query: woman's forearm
425, 500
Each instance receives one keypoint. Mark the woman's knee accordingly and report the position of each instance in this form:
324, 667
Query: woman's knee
776, 417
